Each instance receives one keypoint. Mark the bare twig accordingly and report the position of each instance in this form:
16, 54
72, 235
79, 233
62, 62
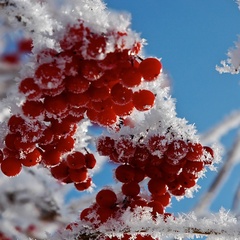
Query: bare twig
230, 122
236, 199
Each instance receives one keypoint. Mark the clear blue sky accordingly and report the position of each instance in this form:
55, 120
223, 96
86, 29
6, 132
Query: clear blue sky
192, 37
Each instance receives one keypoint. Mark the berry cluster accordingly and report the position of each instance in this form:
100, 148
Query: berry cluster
83, 80
172, 166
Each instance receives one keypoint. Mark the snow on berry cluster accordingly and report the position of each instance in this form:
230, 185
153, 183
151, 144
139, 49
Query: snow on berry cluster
161, 166
94, 76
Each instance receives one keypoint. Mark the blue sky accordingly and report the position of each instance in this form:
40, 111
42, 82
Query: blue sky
192, 37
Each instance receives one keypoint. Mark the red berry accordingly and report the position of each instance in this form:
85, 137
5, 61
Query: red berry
194, 166
141, 156
170, 168
179, 191
71, 62
9, 141
90, 160
131, 77
65, 144
195, 151
88, 214
157, 144
125, 173
32, 158
10, 153
177, 150
189, 175
208, 154
139, 174
96, 45
52, 157
78, 175
56, 105
105, 145
33, 109
15, 122
76, 114
150, 68
31, 131
98, 94
48, 76
185, 181
30, 89
63, 128
157, 207
52, 92
173, 185
164, 199
123, 110
25, 147
47, 137
77, 84
107, 117
90, 70
120, 94
143, 100
60, 171
125, 146
73, 35
153, 171
92, 115
103, 105
11, 166
106, 198
157, 186
76, 160
131, 189
105, 213
83, 185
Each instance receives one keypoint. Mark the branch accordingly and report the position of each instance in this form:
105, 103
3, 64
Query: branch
220, 225
186, 231
236, 199
230, 122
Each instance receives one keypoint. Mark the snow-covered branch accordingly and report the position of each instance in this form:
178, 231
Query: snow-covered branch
222, 225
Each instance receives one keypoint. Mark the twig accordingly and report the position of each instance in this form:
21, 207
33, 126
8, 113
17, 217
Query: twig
169, 230
236, 199
230, 122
